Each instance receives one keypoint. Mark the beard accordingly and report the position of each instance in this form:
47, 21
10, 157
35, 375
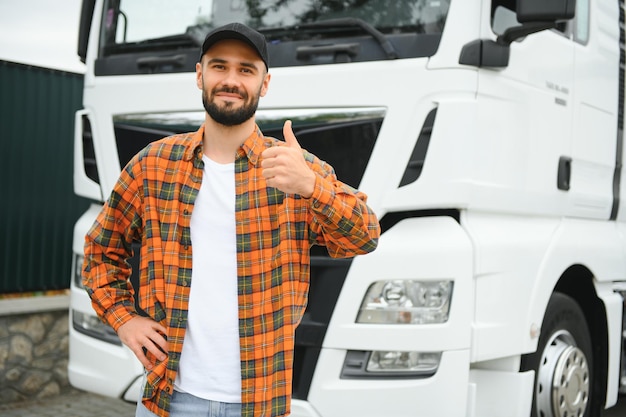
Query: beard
228, 114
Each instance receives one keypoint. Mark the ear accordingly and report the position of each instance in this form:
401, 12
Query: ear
266, 84
199, 75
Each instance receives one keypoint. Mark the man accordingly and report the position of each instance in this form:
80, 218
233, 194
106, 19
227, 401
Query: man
250, 207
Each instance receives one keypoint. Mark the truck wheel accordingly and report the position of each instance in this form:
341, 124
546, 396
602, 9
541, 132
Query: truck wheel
563, 362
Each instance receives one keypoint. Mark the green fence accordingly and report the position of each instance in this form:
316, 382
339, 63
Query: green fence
38, 207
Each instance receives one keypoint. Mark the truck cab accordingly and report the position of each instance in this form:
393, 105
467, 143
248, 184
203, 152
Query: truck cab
488, 136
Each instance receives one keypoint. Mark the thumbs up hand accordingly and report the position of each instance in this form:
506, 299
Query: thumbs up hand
284, 167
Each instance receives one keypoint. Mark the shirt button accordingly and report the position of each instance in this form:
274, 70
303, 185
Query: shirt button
186, 247
186, 212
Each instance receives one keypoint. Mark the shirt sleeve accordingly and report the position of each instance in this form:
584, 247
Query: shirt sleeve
108, 246
342, 220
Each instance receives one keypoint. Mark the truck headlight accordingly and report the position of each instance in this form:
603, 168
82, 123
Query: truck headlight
91, 325
406, 302
78, 270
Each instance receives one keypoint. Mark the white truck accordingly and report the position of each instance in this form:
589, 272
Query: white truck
488, 135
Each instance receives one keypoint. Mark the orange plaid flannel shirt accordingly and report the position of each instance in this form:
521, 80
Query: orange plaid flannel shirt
152, 202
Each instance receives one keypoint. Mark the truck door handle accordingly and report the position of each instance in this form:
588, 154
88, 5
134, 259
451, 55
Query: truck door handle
564, 173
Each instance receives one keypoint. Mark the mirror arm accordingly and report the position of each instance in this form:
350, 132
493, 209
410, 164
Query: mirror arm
516, 32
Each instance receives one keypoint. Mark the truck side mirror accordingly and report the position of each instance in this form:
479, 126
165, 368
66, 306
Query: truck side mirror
533, 15
84, 27
545, 10
536, 16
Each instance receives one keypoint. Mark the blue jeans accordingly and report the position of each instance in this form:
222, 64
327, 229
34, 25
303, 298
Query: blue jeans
187, 405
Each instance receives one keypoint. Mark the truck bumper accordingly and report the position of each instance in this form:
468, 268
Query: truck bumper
103, 368
444, 394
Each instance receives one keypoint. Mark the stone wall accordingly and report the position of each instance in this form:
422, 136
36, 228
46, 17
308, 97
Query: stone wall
33, 355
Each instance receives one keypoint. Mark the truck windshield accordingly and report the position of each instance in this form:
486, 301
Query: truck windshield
300, 32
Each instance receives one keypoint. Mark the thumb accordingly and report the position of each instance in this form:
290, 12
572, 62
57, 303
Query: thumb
290, 138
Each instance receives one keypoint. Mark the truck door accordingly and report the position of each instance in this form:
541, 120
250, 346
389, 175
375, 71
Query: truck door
594, 98
525, 112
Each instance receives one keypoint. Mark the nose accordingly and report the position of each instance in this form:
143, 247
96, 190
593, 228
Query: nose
231, 78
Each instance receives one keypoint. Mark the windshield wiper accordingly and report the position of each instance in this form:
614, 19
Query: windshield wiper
165, 43
355, 22
182, 39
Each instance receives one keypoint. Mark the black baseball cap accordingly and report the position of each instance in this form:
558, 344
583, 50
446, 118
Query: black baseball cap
240, 32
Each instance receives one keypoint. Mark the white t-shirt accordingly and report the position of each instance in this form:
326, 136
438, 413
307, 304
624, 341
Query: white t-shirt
210, 365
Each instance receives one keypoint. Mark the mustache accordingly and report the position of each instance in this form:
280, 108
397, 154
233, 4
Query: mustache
230, 90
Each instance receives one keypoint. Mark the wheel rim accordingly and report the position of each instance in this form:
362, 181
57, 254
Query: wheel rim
563, 380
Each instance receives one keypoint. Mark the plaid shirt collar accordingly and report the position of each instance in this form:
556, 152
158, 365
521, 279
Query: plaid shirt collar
252, 147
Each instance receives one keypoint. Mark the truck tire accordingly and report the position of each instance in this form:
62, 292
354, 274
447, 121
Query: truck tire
563, 362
